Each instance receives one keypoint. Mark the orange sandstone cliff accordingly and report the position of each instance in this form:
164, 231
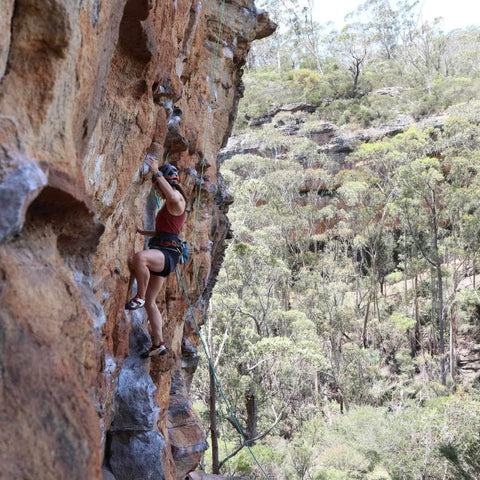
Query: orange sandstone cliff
87, 90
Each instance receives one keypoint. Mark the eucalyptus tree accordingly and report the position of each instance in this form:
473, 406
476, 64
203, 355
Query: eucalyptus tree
427, 52
461, 163
308, 33
298, 35
462, 55
377, 164
365, 207
322, 291
382, 21
351, 47
421, 189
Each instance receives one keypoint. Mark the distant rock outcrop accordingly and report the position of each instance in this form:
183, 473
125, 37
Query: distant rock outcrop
291, 107
336, 142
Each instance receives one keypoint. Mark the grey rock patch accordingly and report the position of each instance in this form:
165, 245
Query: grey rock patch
18, 189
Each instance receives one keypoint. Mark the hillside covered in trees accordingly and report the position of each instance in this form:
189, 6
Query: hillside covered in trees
345, 325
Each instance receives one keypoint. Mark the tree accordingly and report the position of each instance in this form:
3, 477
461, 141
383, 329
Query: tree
298, 35
421, 46
462, 54
307, 34
352, 46
345, 271
383, 24
422, 192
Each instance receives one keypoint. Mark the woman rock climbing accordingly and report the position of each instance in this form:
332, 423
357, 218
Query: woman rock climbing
152, 266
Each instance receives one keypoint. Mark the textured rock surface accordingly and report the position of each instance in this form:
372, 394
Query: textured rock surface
87, 89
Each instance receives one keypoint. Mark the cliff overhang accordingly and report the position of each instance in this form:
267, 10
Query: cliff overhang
87, 90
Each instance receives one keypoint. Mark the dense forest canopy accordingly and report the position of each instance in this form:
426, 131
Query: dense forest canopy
345, 325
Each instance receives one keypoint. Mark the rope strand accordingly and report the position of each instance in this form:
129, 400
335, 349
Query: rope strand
216, 379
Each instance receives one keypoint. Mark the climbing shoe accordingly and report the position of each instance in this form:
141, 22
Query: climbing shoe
155, 350
134, 303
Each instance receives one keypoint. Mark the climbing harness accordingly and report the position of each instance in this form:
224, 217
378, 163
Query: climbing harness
170, 242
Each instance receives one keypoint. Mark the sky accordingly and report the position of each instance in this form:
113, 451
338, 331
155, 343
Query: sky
455, 13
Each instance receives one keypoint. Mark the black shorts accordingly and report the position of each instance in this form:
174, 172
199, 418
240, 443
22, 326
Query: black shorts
171, 260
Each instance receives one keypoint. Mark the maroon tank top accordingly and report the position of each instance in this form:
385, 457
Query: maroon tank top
168, 223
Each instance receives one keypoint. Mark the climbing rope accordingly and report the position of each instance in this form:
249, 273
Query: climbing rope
216, 379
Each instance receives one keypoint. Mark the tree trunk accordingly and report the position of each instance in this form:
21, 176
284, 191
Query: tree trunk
441, 324
474, 282
405, 276
252, 415
213, 424
438, 267
452, 346
429, 83
213, 408
365, 321
279, 57
417, 340
356, 74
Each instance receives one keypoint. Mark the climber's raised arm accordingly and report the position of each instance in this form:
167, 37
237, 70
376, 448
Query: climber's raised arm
164, 179
173, 198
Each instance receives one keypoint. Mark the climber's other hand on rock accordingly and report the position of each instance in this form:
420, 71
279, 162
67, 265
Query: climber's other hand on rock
152, 163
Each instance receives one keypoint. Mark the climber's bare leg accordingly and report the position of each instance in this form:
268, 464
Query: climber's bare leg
144, 262
154, 316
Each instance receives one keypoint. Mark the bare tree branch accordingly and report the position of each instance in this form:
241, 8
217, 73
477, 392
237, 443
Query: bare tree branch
252, 440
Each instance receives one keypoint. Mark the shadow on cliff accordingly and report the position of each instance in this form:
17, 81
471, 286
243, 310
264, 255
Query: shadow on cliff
72, 223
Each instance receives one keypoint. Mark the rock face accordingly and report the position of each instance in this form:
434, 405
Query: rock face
87, 90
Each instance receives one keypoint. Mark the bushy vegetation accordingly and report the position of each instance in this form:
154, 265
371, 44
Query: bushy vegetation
350, 280
365, 110
381, 46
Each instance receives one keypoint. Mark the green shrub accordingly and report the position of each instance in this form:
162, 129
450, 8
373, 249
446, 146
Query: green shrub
394, 277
